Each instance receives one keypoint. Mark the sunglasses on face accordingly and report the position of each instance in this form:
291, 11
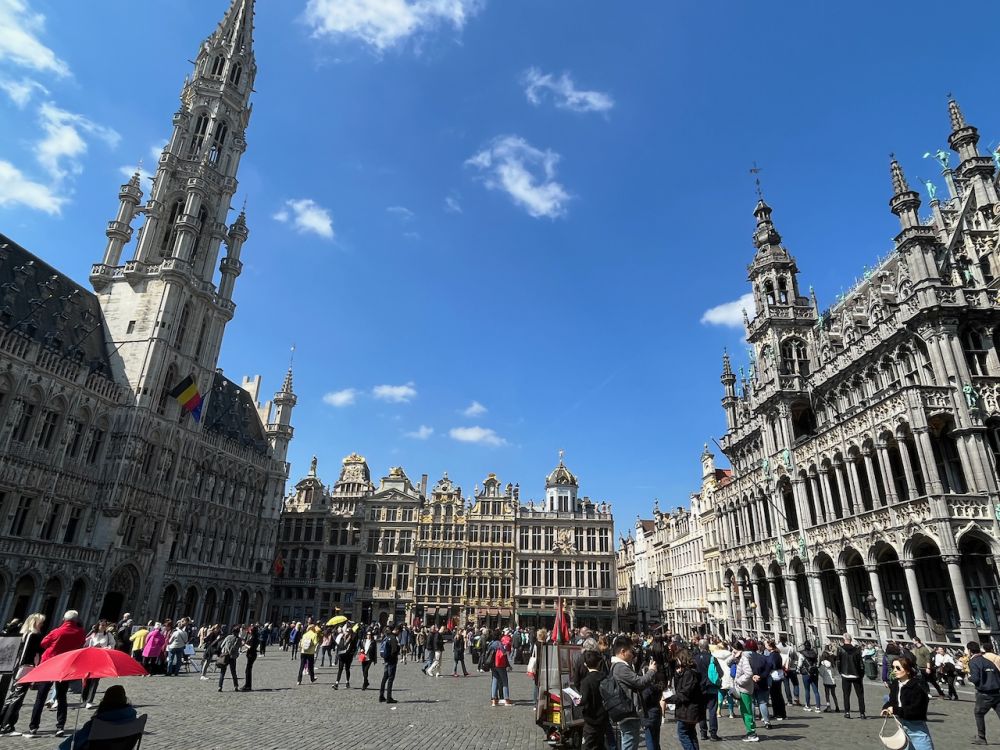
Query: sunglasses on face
898, 668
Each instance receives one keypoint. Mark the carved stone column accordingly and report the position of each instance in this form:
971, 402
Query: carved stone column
911, 482
775, 611
885, 465
881, 613
961, 594
845, 502
850, 621
916, 601
819, 607
872, 480
927, 464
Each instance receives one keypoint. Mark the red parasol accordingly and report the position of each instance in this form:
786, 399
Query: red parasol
85, 663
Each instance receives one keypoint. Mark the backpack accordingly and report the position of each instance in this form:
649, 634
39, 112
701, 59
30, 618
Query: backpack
989, 681
383, 648
715, 672
486, 661
732, 670
617, 701
500, 659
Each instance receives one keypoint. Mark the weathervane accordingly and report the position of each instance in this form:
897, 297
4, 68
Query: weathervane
755, 171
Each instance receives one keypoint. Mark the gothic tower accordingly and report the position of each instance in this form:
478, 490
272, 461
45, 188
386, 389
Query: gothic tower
165, 311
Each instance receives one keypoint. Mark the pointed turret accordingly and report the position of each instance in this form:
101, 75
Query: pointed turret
231, 265
119, 231
976, 170
280, 430
765, 237
729, 386
963, 138
904, 202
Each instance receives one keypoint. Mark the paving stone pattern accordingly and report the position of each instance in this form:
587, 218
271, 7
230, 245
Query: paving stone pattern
432, 714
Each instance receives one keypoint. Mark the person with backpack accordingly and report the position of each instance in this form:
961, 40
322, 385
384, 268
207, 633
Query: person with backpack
498, 662
621, 693
229, 651
307, 645
388, 652
710, 671
346, 647
984, 673
790, 658
827, 666
809, 669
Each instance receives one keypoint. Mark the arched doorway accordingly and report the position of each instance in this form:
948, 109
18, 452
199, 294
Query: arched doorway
208, 614
934, 587
50, 600
226, 613
858, 585
979, 575
831, 593
77, 595
24, 593
190, 602
122, 588
893, 581
244, 607
168, 604
258, 607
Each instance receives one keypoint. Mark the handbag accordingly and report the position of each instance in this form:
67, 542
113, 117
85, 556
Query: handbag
777, 675
898, 740
222, 660
22, 671
362, 657
532, 665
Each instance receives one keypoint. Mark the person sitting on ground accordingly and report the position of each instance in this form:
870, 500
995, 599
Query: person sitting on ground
114, 708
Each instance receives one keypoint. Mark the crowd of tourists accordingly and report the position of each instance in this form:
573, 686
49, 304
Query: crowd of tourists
624, 685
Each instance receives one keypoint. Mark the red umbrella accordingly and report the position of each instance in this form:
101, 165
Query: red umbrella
85, 663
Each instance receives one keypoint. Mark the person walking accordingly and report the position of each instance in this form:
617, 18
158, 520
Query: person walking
925, 666
908, 703
28, 657
809, 669
67, 637
790, 660
745, 686
102, 635
389, 652
595, 715
630, 727
852, 673
458, 652
368, 653
294, 636
123, 634
346, 648
308, 644
326, 648
498, 664
435, 670
710, 671
210, 643
688, 698
984, 673
775, 678
252, 645
945, 669
177, 641
229, 652
826, 676
430, 647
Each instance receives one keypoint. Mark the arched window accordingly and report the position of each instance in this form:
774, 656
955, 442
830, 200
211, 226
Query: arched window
949, 463
218, 141
803, 419
782, 290
218, 64
794, 357
201, 337
198, 135
788, 501
235, 73
169, 381
975, 352
182, 324
196, 245
769, 292
170, 230
986, 268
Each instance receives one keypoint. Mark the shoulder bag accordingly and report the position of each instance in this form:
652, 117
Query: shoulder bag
897, 740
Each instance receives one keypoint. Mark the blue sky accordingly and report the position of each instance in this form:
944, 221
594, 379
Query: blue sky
493, 229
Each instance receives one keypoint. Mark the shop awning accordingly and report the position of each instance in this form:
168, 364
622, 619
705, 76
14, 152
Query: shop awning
504, 612
494, 612
481, 612
444, 611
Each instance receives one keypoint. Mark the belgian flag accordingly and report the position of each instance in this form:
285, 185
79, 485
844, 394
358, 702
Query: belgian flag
186, 393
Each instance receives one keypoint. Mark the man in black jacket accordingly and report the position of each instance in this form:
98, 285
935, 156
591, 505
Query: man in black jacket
621, 669
390, 658
852, 672
595, 715
984, 673
703, 661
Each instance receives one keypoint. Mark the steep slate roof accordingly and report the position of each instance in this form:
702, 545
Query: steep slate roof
48, 307
231, 412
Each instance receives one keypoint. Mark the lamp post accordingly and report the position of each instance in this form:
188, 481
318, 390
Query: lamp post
871, 600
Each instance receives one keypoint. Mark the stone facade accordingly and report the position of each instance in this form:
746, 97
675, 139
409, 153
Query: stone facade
443, 559
565, 551
864, 438
111, 498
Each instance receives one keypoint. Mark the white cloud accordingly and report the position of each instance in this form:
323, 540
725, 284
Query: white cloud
474, 409
451, 205
18, 190
62, 146
345, 397
421, 433
480, 435
729, 314
382, 24
20, 92
402, 212
525, 173
395, 394
307, 216
19, 42
565, 94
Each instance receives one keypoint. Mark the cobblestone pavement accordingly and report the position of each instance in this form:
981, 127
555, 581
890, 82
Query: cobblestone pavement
432, 714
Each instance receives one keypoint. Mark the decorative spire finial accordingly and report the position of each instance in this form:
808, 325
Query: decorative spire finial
957, 118
755, 171
727, 366
899, 184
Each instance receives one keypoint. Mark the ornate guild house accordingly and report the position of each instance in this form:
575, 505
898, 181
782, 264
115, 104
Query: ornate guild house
865, 438
133, 474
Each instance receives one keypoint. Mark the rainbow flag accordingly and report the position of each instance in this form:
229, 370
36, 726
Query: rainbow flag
186, 393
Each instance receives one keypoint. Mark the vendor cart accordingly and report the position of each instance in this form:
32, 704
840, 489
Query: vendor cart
555, 710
